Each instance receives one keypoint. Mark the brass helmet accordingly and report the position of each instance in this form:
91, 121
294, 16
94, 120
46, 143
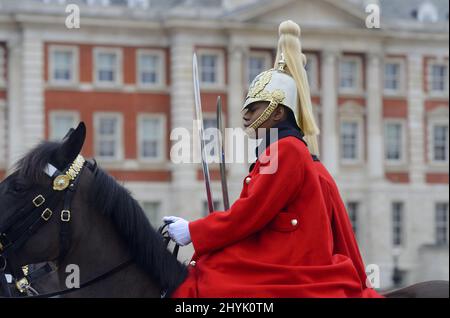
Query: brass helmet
274, 86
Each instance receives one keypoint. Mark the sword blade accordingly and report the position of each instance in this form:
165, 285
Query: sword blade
223, 170
201, 133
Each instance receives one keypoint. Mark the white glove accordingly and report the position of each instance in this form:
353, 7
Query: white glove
178, 230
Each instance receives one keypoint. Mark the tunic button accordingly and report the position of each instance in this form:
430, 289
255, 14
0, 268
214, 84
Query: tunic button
247, 180
294, 222
193, 263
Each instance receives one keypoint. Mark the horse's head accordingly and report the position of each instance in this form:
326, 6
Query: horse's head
58, 207
32, 199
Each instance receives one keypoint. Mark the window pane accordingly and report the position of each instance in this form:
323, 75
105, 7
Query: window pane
153, 212
62, 65
148, 68
107, 137
349, 140
438, 77
393, 142
440, 142
107, 63
348, 74
352, 208
108, 126
256, 66
392, 76
208, 71
61, 124
441, 221
151, 137
397, 223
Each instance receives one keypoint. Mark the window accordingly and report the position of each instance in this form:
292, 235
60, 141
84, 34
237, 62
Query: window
440, 142
441, 223
108, 136
393, 77
63, 65
350, 140
438, 78
350, 74
352, 208
108, 66
60, 124
151, 136
153, 212
150, 70
211, 70
312, 71
397, 223
394, 142
258, 62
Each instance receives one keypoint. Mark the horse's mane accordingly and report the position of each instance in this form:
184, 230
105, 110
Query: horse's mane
145, 245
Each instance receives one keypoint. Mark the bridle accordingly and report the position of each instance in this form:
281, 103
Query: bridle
21, 226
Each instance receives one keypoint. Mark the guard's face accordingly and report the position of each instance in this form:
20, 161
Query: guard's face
252, 112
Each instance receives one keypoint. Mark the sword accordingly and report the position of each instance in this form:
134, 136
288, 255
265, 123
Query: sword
201, 132
223, 171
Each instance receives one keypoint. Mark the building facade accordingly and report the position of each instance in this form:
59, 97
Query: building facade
380, 96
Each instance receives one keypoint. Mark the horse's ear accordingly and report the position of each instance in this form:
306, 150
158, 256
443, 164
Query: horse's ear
70, 147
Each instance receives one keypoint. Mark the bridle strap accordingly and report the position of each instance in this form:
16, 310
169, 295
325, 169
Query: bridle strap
65, 217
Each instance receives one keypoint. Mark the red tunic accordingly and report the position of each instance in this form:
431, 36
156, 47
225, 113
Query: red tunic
275, 240
344, 241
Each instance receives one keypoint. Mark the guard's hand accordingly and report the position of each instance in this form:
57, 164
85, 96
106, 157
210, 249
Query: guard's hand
178, 230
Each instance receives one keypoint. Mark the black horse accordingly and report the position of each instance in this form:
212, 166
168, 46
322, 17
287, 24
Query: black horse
93, 223
89, 220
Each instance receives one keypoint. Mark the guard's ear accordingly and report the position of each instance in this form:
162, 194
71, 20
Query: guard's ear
70, 147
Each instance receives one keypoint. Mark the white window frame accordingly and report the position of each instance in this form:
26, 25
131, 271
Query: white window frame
359, 75
162, 149
120, 147
314, 83
75, 64
434, 121
402, 77
118, 69
258, 54
220, 83
160, 69
3, 66
360, 140
402, 123
52, 118
430, 65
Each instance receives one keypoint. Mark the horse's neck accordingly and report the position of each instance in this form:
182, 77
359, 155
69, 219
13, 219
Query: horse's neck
98, 250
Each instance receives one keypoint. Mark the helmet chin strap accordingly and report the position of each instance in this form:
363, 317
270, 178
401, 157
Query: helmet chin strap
251, 130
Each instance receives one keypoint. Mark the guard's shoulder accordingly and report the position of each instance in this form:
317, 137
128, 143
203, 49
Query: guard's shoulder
294, 146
